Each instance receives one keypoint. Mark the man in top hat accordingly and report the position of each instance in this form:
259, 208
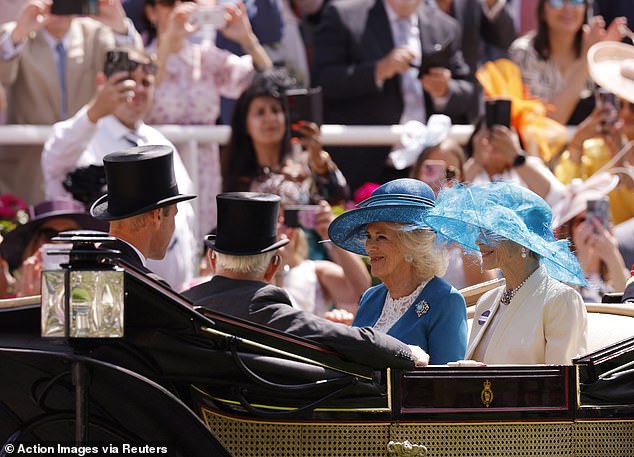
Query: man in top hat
243, 257
141, 203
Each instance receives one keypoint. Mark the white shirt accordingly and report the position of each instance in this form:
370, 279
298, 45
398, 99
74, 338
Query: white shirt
413, 106
78, 142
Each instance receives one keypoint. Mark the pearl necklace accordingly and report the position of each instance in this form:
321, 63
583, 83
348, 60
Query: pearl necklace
508, 295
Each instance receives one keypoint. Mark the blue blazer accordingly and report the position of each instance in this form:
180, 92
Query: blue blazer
441, 329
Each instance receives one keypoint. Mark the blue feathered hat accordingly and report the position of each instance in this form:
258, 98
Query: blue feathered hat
404, 201
509, 211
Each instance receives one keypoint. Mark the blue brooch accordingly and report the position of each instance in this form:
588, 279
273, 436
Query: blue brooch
422, 308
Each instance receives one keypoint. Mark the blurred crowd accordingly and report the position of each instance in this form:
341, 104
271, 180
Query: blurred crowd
529, 75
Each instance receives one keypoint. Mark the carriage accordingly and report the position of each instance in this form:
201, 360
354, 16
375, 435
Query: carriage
186, 381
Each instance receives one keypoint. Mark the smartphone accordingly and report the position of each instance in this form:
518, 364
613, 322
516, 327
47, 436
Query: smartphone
304, 105
75, 7
497, 112
117, 60
599, 209
606, 101
439, 56
433, 171
209, 16
304, 216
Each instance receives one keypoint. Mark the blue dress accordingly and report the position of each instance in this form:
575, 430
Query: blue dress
436, 321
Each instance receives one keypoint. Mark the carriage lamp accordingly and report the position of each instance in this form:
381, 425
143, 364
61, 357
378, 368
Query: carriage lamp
82, 296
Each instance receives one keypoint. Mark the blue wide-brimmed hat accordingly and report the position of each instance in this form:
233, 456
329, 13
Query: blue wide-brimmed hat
404, 201
509, 211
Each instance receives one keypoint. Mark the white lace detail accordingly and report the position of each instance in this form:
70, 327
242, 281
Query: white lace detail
393, 309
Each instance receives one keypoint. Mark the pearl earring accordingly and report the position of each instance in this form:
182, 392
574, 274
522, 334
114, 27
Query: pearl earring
408, 258
524, 253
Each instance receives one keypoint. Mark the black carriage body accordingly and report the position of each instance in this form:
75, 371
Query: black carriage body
210, 384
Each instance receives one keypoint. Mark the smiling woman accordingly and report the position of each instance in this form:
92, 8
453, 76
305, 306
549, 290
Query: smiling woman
260, 156
534, 318
412, 304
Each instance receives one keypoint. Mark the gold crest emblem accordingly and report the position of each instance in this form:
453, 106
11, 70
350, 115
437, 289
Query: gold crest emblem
487, 394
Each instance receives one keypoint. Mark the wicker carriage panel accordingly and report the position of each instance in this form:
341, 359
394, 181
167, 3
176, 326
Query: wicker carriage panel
605, 439
491, 439
251, 439
330, 440
247, 438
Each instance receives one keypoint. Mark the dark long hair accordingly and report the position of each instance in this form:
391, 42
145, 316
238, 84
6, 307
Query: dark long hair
541, 42
239, 161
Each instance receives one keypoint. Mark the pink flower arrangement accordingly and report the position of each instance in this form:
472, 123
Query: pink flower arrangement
13, 212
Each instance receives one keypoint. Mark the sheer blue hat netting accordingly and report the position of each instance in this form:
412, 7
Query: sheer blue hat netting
465, 213
404, 201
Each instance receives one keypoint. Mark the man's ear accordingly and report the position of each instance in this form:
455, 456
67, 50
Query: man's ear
274, 264
211, 254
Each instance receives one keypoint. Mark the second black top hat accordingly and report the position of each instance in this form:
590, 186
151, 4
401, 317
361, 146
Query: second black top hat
247, 224
139, 179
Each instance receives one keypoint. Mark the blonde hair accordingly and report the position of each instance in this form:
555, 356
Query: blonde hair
140, 221
429, 257
248, 266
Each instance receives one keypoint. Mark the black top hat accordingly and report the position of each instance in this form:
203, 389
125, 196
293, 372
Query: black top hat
247, 224
139, 179
15, 242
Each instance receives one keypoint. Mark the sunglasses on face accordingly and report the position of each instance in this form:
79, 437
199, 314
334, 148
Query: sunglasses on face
148, 68
558, 4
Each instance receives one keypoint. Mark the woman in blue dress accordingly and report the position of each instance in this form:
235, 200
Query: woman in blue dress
412, 303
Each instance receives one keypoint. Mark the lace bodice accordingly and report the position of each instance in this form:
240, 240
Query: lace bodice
393, 308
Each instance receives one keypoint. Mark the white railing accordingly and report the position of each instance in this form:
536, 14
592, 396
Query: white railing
332, 135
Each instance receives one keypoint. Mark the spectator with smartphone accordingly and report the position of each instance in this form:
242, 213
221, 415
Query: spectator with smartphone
378, 78
495, 154
34, 51
320, 286
113, 121
602, 141
553, 58
262, 157
191, 77
582, 216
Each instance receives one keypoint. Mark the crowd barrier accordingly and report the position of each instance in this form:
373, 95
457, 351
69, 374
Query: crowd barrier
188, 137
332, 135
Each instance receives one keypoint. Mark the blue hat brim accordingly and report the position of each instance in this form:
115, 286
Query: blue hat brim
348, 230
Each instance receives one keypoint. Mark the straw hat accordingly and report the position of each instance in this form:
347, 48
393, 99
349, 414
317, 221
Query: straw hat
611, 66
578, 192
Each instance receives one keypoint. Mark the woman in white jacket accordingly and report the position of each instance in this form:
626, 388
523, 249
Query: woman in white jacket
534, 318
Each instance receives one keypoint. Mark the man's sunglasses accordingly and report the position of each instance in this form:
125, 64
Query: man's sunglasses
558, 4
